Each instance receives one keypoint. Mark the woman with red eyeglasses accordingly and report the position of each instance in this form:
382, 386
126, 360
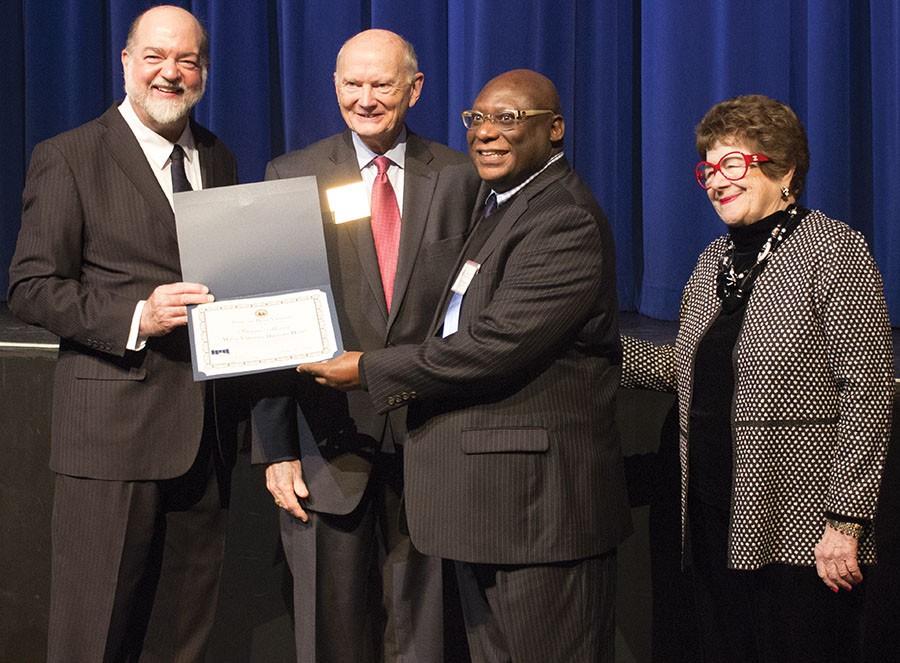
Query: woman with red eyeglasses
784, 374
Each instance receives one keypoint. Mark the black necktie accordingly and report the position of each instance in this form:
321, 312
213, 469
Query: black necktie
179, 179
490, 205
483, 227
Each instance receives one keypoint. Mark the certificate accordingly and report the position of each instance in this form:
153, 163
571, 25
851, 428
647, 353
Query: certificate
255, 334
261, 250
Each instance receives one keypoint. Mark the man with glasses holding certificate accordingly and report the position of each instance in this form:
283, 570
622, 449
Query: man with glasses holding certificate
335, 465
514, 468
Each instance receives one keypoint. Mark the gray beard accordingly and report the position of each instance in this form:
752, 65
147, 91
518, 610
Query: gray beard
164, 112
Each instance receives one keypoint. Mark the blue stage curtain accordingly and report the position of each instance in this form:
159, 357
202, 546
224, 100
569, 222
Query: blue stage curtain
884, 114
12, 137
634, 78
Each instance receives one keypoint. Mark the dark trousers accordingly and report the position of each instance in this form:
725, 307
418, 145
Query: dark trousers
779, 613
136, 567
881, 615
362, 592
540, 613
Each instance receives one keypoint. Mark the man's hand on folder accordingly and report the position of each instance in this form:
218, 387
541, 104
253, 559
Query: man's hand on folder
166, 307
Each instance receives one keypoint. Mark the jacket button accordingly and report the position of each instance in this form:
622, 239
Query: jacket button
390, 400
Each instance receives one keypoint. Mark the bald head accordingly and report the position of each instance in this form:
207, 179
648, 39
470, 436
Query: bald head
377, 81
165, 64
537, 89
169, 15
506, 155
370, 41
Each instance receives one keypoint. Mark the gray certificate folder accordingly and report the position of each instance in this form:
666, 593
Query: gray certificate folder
251, 240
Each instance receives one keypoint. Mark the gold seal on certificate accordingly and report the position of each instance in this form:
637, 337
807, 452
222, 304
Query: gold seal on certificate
262, 333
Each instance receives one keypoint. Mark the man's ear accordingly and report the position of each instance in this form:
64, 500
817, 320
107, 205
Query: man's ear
416, 88
557, 129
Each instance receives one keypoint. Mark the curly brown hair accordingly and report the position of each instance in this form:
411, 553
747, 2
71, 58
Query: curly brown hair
766, 126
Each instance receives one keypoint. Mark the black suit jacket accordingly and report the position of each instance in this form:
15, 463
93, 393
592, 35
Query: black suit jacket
513, 455
334, 433
98, 234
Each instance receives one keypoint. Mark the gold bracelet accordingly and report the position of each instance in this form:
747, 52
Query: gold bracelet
850, 529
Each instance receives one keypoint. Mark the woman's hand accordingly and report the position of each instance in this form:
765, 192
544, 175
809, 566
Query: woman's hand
836, 560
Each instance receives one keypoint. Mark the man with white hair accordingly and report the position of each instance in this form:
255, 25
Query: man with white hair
335, 466
141, 452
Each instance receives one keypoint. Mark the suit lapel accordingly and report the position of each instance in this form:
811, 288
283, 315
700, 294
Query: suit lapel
480, 198
124, 149
208, 175
516, 208
519, 205
418, 187
359, 232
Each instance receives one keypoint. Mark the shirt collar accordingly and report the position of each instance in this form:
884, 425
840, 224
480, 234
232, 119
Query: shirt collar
365, 155
155, 147
506, 195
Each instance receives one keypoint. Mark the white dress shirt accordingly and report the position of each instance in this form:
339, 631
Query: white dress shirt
158, 151
504, 196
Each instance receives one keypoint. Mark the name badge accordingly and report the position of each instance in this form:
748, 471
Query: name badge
465, 276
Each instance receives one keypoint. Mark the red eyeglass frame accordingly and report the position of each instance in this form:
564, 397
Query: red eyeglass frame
749, 160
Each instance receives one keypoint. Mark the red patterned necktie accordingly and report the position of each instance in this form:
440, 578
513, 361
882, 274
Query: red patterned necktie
385, 227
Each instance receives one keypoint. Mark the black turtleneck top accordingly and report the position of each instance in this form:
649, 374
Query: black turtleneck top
710, 461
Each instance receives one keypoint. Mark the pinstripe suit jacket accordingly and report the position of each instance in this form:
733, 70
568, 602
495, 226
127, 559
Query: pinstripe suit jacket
513, 456
335, 433
98, 234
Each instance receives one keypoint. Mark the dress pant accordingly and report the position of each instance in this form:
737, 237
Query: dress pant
362, 592
540, 613
778, 614
881, 614
136, 566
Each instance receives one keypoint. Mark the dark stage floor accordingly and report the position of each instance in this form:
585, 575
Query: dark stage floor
253, 623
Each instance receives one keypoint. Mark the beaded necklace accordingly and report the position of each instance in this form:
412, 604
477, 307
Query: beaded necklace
735, 286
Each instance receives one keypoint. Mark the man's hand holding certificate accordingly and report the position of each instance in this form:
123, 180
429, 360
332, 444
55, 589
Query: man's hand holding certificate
342, 372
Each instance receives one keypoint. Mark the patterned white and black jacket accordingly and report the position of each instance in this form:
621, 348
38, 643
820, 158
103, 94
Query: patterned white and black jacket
811, 411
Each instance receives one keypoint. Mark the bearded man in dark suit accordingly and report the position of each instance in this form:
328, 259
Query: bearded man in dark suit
513, 466
141, 473
335, 465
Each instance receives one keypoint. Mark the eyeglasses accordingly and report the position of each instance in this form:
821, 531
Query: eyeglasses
733, 166
504, 120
